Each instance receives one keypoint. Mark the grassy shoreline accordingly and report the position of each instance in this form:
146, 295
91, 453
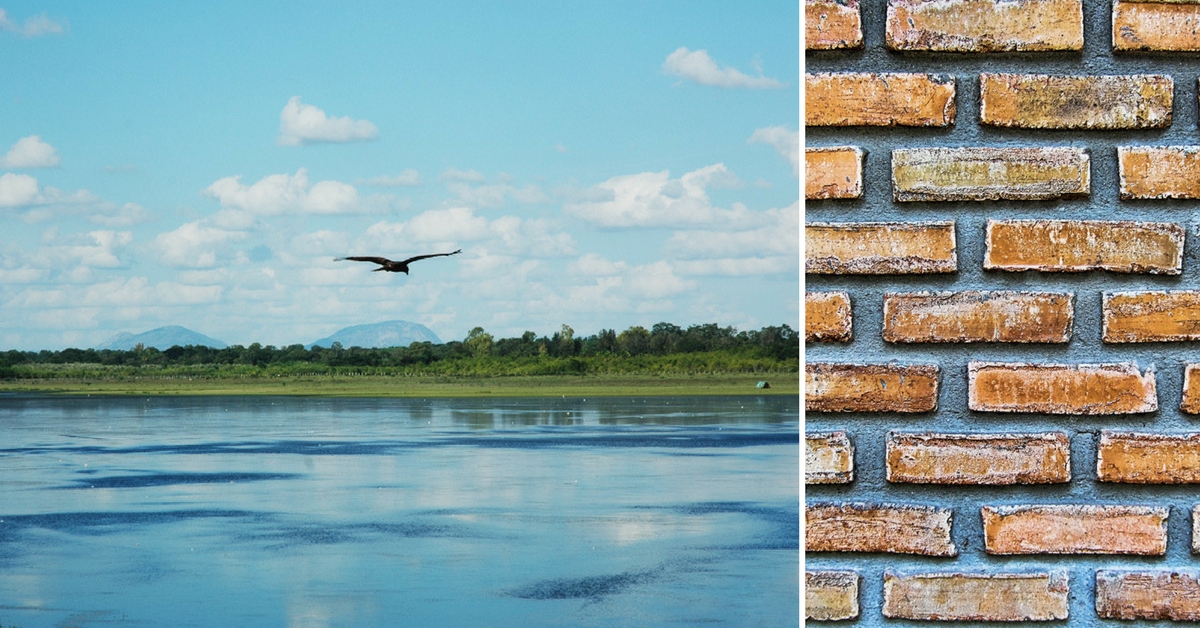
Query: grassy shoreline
782, 383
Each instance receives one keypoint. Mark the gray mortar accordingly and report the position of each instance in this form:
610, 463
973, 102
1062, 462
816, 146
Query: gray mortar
868, 431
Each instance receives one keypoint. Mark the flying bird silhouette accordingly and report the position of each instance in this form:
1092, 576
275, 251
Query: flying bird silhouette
394, 267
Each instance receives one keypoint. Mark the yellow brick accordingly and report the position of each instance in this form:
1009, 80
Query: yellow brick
829, 25
888, 528
878, 100
833, 172
870, 387
1151, 316
1093, 389
827, 316
1038, 101
989, 174
1149, 458
830, 595
1173, 595
984, 25
828, 458
977, 317
1080, 245
1191, 389
879, 248
1156, 173
979, 458
1075, 529
1156, 26
976, 597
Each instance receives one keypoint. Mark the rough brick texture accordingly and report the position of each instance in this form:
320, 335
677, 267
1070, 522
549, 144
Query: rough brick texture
833, 172
979, 458
888, 528
989, 174
1149, 458
1149, 172
1080, 245
1037, 101
1148, 595
1075, 529
1061, 388
977, 317
1171, 26
827, 317
1152, 316
985, 25
830, 25
1191, 389
976, 596
830, 595
828, 458
899, 99
870, 387
891, 248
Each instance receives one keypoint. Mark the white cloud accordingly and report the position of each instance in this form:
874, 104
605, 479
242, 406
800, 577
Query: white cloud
458, 225
654, 199
697, 66
774, 232
454, 175
785, 141
194, 244
620, 286
302, 124
408, 179
33, 27
111, 215
282, 193
30, 152
469, 187
18, 190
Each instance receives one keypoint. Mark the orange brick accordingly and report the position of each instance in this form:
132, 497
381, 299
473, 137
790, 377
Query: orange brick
1038, 101
1191, 389
879, 248
870, 387
984, 25
979, 458
830, 595
977, 317
1152, 316
833, 172
1075, 529
1060, 388
888, 528
1155, 173
1156, 26
1148, 458
976, 597
827, 316
1171, 595
828, 458
878, 100
1080, 245
989, 174
830, 24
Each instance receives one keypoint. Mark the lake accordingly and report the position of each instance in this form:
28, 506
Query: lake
307, 512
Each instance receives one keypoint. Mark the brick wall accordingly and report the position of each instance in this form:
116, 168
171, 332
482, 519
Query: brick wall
1002, 307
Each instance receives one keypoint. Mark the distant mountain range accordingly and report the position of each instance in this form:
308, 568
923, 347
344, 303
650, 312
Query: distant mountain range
379, 335
161, 338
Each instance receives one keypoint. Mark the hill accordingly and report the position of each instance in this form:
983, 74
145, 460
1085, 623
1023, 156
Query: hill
161, 338
380, 335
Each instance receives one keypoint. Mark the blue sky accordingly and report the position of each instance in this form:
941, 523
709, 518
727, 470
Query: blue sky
601, 165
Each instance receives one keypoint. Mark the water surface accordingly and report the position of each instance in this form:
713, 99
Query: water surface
219, 511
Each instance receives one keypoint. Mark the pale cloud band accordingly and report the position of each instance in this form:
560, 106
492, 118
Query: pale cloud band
35, 26
282, 193
697, 66
303, 124
30, 152
785, 141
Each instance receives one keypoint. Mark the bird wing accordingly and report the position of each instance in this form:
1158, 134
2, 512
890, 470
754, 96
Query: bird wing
382, 261
413, 259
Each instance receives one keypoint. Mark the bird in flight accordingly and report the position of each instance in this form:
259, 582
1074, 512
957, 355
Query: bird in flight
395, 267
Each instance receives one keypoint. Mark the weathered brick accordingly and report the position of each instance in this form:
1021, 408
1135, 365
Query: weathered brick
827, 316
870, 387
1148, 595
878, 100
830, 595
1191, 389
879, 248
989, 174
976, 597
889, 528
1060, 388
1151, 316
828, 458
979, 458
1080, 245
1156, 26
832, 24
1038, 101
977, 317
984, 25
1157, 173
1196, 529
833, 172
1148, 458
1075, 529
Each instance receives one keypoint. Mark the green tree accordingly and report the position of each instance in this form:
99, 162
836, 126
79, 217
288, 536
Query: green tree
479, 343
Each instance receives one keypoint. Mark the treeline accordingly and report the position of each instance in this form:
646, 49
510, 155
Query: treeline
664, 348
